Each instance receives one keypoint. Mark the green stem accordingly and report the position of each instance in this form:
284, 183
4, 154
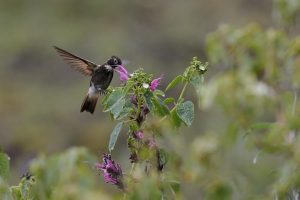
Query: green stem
183, 90
129, 120
138, 108
130, 174
295, 102
124, 196
132, 168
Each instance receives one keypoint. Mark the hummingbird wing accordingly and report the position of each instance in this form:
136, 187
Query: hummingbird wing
82, 65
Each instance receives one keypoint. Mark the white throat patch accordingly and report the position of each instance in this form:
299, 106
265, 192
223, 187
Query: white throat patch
108, 67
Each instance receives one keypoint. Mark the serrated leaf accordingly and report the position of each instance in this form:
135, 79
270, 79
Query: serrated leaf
4, 166
174, 82
114, 136
185, 112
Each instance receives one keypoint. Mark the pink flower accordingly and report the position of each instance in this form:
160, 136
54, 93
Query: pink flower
151, 143
155, 82
112, 171
122, 72
139, 135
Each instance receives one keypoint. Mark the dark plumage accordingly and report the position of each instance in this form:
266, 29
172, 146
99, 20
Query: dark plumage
101, 76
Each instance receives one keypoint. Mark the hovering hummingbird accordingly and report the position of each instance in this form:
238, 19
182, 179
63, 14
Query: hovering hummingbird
101, 76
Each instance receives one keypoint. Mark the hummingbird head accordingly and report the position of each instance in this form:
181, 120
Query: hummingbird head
114, 61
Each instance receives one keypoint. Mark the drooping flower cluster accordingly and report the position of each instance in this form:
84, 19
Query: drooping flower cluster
112, 171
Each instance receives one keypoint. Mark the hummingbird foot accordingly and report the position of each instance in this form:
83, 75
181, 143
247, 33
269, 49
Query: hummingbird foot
103, 92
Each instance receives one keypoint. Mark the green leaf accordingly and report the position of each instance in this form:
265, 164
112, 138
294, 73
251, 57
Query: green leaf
169, 100
133, 126
185, 112
4, 166
174, 82
175, 120
175, 185
196, 81
117, 108
160, 108
148, 100
114, 97
261, 125
125, 111
127, 87
16, 192
159, 93
162, 158
104, 98
115, 103
114, 136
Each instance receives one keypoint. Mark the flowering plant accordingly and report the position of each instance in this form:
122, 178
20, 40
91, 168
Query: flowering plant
137, 99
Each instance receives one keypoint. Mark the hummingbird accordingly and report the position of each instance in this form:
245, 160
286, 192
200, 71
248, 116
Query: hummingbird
101, 76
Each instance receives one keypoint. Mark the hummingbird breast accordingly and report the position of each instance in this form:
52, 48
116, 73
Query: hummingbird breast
102, 77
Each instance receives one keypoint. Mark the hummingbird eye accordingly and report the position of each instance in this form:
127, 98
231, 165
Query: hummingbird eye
115, 61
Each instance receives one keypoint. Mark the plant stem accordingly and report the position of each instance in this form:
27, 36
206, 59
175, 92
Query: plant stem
295, 102
129, 120
132, 168
138, 108
182, 92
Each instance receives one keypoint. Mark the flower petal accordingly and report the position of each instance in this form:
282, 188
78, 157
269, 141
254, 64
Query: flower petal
139, 135
123, 73
155, 82
112, 171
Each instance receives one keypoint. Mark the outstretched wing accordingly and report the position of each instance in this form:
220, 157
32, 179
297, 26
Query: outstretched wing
84, 66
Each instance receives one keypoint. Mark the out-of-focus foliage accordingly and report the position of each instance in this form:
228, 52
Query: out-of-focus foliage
287, 11
257, 91
70, 175
4, 166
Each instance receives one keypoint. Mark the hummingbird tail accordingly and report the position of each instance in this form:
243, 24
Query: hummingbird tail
89, 103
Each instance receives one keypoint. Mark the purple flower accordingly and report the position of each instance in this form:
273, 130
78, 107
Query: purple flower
151, 143
112, 171
122, 72
155, 82
133, 100
139, 135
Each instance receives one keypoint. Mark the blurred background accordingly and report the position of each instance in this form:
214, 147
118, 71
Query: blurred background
40, 95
